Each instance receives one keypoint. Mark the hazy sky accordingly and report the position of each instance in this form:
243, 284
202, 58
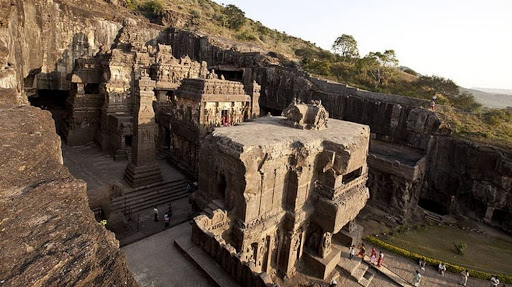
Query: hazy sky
468, 41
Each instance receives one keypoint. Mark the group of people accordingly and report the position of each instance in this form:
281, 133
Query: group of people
374, 258
167, 215
441, 268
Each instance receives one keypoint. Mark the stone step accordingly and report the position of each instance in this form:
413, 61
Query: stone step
121, 201
140, 194
359, 272
367, 278
145, 198
205, 263
156, 201
153, 187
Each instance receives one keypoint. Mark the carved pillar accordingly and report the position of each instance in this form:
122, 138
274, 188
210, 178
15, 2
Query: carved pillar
488, 214
143, 168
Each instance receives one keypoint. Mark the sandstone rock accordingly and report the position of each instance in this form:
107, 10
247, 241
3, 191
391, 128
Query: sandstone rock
49, 235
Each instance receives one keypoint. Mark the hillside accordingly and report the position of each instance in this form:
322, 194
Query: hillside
491, 99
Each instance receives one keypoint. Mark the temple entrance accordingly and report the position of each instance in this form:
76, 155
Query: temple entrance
433, 206
499, 217
53, 101
221, 187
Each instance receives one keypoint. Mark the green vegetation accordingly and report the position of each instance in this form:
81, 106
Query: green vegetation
482, 253
376, 71
151, 9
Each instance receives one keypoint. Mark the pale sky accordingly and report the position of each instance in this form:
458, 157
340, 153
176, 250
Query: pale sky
468, 41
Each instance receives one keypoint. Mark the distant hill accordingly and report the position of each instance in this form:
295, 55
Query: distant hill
495, 91
491, 99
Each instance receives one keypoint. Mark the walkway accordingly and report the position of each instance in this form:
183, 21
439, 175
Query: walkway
403, 269
156, 262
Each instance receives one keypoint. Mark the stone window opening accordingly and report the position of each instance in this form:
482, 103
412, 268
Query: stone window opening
128, 141
92, 89
352, 175
221, 187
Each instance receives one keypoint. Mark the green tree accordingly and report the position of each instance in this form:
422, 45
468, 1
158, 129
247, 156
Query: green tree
439, 85
379, 66
235, 17
346, 46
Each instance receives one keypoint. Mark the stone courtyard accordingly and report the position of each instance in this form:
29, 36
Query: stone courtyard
261, 167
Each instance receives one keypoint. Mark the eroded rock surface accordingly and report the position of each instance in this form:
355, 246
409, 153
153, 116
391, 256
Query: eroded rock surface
49, 235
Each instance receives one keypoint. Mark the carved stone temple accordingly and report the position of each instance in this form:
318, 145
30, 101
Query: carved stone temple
277, 192
143, 169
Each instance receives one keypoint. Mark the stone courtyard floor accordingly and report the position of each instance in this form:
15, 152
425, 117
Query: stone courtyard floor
99, 169
154, 259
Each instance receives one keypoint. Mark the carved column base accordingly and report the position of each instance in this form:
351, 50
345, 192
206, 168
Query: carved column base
322, 267
137, 176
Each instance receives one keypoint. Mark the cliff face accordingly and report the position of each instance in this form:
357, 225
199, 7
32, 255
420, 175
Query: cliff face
41, 39
49, 235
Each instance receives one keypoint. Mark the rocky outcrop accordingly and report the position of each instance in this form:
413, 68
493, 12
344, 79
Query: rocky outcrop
41, 39
469, 178
49, 235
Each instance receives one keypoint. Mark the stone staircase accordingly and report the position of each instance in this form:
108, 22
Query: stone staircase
149, 196
215, 204
356, 269
438, 218
163, 153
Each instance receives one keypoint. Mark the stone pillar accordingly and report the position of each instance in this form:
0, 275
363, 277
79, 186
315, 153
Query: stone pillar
255, 98
488, 214
143, 169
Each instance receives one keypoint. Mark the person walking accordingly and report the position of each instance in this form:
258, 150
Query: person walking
381, 256
155, 211
441, 268
495, 281
373, 256
362, 250
333, 283
417, 278
351, 251
464, 278
166, 219
422, 263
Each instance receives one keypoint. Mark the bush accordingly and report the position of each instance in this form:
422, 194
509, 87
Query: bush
153, 7
434, 262
246, 36
235, 17
460, 246
131, 4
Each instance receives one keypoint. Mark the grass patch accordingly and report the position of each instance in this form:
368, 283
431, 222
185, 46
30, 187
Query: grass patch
482, 252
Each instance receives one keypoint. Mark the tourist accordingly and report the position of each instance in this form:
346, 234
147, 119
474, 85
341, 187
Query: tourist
465, 275
362, 250
433, 103
441, 268
373, 256
381, 256
166, 219
422, 263
417, 278
333, 283
155, 211
351, 251
495, 281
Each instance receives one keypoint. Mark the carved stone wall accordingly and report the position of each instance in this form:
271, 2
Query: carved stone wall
282, 184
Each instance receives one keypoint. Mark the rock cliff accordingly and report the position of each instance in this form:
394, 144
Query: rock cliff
49, 235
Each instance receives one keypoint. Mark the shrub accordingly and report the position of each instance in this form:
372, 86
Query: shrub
460, 246
246, 36
153, 7
235, 17
434, 262
131, 4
